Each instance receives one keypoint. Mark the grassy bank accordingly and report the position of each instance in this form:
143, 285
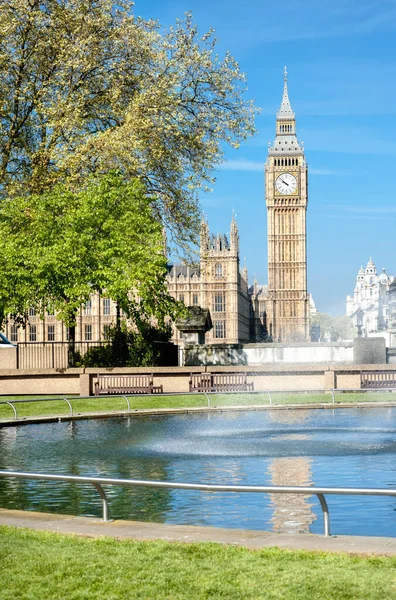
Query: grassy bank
111, 403
48, 566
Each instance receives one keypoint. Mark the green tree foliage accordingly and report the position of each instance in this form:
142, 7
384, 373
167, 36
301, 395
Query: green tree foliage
145, 346
339, 328
86, 87
60, 247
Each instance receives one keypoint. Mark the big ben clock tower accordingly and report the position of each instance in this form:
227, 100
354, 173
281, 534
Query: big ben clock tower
287, 199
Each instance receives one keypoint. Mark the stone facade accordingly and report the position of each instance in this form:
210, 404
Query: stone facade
375, 296
217, 284
92, 320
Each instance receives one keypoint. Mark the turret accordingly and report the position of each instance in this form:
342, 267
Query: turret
204, 236
234, 236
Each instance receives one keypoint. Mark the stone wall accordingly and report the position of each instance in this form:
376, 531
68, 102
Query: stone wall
259, 354
176, 379
8, 357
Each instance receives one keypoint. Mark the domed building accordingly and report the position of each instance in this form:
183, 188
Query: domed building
370, 307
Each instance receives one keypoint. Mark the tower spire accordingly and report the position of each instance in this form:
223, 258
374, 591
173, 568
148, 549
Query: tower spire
285, 111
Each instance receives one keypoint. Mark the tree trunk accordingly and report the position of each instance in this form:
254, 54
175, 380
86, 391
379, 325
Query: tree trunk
71, 350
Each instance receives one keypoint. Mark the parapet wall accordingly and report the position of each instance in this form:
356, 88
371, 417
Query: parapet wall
176, 379
360, 351
260, 354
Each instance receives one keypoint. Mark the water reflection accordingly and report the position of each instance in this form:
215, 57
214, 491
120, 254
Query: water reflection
292, 512
285, 447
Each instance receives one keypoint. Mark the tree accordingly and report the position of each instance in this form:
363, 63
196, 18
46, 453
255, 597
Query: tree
61, 246
339, 328
86, 87
146, 346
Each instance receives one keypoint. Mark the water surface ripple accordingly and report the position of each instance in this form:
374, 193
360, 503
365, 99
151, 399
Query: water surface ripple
335, 448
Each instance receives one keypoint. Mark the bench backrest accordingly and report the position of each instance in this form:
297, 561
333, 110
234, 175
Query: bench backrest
107, 382
219, 381
379, 379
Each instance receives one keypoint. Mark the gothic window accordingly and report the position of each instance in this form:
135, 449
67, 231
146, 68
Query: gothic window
88, 307
106, 306
218, 270
32, 311
32, 333
14, 333
218, 303
51, 333
88, 333
181, 297
50, 311
296, 161
195, 299
219, 329
106, 331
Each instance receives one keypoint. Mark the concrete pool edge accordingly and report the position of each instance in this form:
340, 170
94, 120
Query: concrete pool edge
140, 530
175, 411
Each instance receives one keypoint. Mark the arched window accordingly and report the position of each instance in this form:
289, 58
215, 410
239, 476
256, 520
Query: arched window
218, 270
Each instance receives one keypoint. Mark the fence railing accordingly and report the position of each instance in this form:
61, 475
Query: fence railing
209, 397
55, 355
50, 355
98, 482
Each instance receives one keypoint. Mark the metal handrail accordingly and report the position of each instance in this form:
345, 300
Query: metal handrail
97, 482
332, 391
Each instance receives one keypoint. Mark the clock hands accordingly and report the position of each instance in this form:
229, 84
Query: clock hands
285, 182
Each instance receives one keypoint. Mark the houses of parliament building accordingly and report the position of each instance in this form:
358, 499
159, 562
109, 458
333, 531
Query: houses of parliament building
279, 311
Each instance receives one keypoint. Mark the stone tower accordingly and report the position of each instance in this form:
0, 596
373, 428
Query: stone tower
224, 289
287, 199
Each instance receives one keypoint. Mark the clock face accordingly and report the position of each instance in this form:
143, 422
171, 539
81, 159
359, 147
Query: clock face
286, 183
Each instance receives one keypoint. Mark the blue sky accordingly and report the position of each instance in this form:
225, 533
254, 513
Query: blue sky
340, 56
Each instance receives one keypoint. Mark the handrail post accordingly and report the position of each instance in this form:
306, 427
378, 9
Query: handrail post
208, 399
14, 409
70, 406
332, 395
105, 504
269, 396
326, 515
128, 403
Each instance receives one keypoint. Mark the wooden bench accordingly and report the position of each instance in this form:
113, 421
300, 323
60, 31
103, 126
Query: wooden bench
220, 382
126, 384
377, 379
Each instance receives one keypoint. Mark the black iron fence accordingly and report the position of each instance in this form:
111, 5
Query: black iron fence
55, 355
50, 355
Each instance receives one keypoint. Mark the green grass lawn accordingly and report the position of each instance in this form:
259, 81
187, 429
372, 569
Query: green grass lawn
110, 403
49, 566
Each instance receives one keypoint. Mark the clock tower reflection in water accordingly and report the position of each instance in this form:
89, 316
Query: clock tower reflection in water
287, 198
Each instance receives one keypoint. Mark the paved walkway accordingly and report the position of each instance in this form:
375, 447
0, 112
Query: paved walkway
91, 527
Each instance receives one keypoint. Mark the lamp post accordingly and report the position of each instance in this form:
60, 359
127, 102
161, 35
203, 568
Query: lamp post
359, 321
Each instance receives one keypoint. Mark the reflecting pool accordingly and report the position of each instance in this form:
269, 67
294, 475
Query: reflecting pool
336, 448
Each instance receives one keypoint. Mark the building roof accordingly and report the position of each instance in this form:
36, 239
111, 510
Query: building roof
285, 142
183, 270
285, 111
197, 319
